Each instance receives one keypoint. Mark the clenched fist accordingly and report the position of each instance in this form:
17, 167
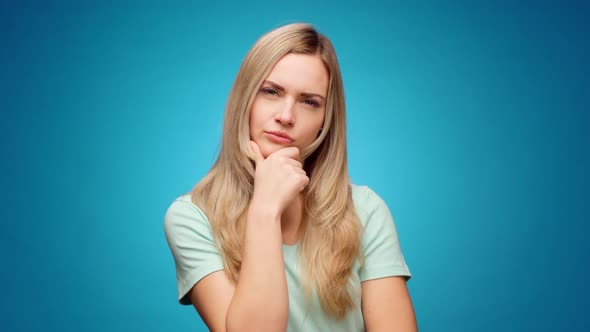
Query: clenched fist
279, 178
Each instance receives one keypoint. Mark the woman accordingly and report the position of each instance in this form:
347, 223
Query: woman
275, 237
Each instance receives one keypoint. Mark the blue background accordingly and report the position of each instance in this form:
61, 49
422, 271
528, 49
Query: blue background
470, 120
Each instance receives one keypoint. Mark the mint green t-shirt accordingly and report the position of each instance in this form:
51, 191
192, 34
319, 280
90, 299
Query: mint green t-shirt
191, 241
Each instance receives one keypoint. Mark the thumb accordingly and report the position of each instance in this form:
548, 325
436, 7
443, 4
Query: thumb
258, 157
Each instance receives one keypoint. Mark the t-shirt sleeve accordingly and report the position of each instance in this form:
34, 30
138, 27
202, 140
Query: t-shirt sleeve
190, 240
380, 242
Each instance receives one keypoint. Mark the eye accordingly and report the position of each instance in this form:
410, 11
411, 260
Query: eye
312, 102
269, 91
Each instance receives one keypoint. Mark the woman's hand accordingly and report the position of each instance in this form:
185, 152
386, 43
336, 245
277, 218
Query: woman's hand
279, 178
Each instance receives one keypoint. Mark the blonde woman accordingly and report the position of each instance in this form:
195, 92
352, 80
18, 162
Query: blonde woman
275, 237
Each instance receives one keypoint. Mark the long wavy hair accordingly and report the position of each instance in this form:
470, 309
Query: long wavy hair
330, 230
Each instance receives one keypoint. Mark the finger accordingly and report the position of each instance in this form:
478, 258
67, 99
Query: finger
304, 182
293, 162
299, 170
258, 157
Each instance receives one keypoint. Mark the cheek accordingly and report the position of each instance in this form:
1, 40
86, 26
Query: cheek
251, 120
257, 115
318, 123
313, 132
254, 119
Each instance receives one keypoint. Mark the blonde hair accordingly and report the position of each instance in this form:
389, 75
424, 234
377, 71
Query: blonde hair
330, 230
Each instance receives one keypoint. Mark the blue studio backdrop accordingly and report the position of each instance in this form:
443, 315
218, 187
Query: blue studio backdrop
470, 120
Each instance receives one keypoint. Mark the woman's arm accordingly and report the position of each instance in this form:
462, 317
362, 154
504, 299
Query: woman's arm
387, 306
259, 301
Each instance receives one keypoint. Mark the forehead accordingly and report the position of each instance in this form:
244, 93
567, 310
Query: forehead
301, 72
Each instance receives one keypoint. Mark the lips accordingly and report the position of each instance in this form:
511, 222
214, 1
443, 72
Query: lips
279, 136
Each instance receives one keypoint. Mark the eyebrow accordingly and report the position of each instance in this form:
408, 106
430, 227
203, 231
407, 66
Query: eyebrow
304, 94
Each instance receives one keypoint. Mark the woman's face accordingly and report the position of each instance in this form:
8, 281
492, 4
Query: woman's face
289, 108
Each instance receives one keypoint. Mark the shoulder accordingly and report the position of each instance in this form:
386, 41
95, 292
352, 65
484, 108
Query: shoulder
184, 204
376, 218
379, 240
366, 202
182, 215
190, 239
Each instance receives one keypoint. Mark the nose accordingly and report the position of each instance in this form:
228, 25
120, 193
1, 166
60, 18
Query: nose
286, 114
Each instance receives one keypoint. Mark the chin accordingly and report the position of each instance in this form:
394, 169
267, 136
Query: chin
267, 150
